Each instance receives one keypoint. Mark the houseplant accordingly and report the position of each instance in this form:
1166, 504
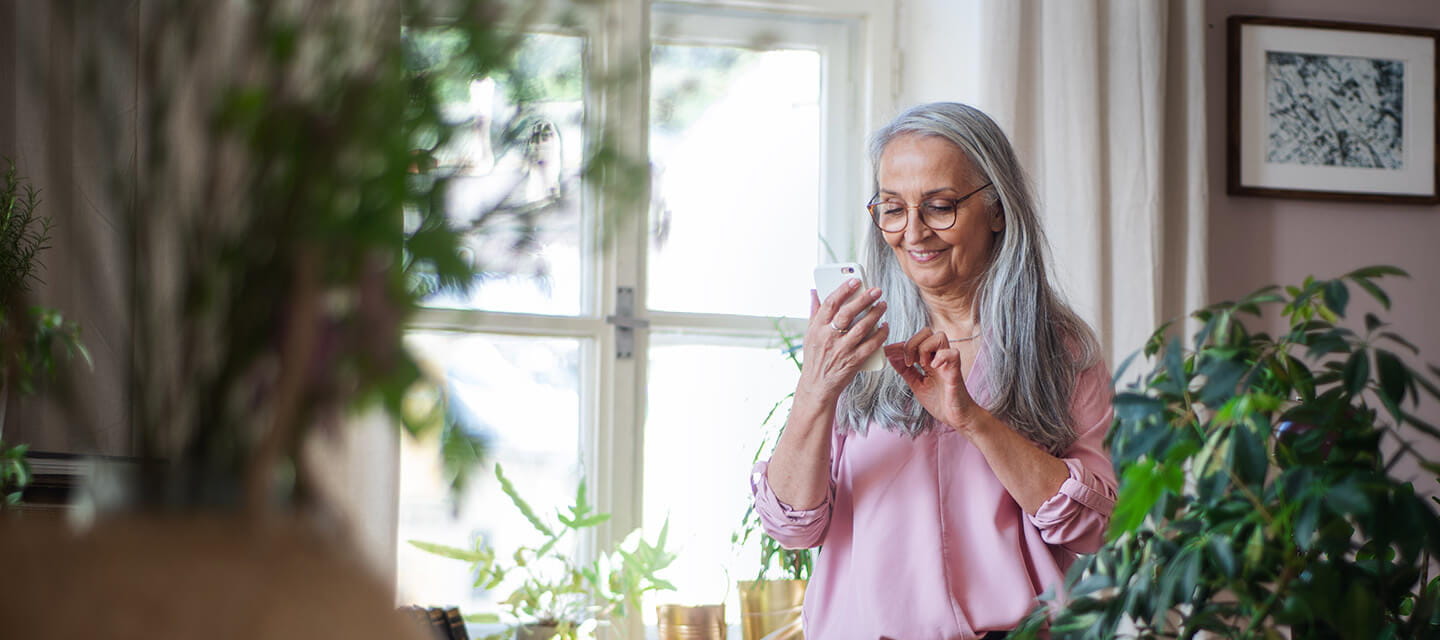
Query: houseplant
287, 226
1259, 489
553, 594
34, 341
772, 600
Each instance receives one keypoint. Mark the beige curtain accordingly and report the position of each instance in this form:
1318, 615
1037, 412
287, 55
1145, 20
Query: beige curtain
1105, 102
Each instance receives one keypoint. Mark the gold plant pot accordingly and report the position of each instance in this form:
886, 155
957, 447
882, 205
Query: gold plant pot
770, 609
680, 622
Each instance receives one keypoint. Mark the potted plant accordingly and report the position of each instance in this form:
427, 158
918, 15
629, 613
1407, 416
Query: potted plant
282, 236
771, 602
552, 593
1259, 491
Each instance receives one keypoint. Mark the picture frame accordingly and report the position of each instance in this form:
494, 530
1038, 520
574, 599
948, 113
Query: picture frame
1332, 111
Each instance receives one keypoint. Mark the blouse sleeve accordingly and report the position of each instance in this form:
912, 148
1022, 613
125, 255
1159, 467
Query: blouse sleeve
794, 528
1075, 518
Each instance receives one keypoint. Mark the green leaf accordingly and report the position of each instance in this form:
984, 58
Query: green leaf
1224, 554
1221, 377
483, 618
1141, 441
1300, 376
1375, 292
1394, 376
1347, 498
1396, 338
1120, 371
450, 552
1264, 295
520, 503
1336, 296
1376, 271
1372, 323
1307, 522
1360, 615
1175, 363
1140, 489
1357, 373
1135, 409
1250, 459
1429, 429
581, 506
590, 521
1255, 548
1325, 345
1157, 339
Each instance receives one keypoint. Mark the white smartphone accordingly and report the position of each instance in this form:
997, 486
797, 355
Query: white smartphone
828, 278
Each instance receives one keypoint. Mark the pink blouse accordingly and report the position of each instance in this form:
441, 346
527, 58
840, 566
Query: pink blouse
922, 542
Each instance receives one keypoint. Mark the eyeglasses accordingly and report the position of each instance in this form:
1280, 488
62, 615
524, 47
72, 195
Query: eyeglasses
892, 216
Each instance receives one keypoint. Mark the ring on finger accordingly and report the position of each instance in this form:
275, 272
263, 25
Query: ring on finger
838, 329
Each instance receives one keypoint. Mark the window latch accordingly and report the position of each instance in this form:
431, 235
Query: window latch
625, 322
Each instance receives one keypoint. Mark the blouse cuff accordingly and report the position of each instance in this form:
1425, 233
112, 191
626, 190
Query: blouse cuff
771, 509
1081, 491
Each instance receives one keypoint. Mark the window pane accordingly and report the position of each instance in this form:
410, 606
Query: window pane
699, 448
514, 169
735, 146
523, 394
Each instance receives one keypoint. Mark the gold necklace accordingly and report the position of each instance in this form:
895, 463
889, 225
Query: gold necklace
977, 335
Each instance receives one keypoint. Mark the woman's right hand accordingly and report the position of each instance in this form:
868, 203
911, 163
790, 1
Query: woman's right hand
836, 343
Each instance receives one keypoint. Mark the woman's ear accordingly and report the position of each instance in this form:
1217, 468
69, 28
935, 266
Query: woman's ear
997, 219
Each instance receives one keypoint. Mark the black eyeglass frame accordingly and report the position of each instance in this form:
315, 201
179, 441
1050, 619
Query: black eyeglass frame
875, 218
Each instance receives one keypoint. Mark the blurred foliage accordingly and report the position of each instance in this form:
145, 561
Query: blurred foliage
290, 223
34, 341
1258, 495
686, 79
776, 562
14, 473
24, 233
553, 588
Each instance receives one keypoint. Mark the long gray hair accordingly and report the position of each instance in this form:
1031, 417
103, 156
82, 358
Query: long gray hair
1035, 346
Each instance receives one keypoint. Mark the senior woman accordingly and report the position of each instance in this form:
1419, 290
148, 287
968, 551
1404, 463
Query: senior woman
953, 487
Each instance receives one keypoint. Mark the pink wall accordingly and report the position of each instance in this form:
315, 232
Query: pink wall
1257, 241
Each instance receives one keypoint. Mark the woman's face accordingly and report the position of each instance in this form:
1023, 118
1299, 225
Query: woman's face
916, 169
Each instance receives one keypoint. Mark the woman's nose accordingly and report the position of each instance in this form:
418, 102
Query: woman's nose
915, 227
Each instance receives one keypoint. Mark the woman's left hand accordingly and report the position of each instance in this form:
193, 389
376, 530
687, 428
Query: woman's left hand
937, 381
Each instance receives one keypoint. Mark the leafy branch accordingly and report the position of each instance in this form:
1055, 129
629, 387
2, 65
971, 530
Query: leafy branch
551, 587
1256, 495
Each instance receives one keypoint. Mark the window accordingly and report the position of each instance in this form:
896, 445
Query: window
752, 123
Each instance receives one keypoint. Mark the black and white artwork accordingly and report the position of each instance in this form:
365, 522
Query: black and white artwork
1338, 111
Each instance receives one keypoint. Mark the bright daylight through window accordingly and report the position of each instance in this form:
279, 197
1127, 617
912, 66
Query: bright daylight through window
749, 133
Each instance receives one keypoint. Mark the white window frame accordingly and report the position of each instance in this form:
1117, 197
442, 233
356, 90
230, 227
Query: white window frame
861, 87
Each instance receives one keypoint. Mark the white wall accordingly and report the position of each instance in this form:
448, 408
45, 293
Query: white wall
938, 42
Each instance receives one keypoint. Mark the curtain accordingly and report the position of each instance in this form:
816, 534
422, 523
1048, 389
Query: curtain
1105, 102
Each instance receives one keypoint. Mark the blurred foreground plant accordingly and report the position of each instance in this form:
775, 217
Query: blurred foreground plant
34, 341
1259, 489
291, 221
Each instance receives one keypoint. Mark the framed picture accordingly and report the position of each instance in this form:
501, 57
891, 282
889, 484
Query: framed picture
1332, 110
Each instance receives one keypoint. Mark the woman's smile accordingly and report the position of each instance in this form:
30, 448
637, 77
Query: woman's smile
923, 256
